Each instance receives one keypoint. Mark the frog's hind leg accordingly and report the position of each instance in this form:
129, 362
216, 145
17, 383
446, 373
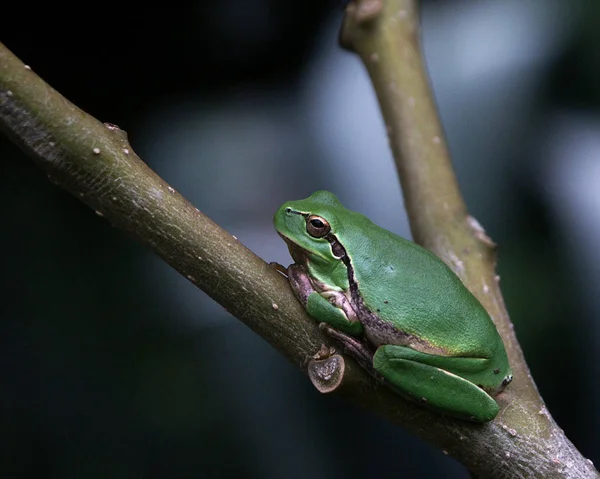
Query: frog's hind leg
358, 349
411, 373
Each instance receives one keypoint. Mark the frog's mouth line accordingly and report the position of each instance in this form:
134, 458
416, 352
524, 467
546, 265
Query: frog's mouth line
302, 256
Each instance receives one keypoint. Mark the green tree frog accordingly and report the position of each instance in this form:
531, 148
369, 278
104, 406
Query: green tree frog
395, 307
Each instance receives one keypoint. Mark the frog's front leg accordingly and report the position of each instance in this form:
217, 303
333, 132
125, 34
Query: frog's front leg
435, 382
331, 307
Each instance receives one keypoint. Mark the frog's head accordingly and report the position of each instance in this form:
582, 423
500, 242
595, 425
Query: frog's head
309, 228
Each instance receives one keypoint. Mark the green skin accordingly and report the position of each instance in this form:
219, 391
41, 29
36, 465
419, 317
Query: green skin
394, 306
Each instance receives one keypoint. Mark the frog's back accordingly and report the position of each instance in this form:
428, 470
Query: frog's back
412, 288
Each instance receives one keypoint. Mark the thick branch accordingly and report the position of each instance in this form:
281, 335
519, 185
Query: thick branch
385, 34
96, 164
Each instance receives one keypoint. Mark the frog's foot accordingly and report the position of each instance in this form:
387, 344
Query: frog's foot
355, 348
407, 371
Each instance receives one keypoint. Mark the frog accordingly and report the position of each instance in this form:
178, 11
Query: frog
395, 307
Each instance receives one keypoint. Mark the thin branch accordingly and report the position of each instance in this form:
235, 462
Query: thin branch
385, 34
95, 162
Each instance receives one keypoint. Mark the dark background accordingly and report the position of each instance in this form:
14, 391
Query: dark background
111, 365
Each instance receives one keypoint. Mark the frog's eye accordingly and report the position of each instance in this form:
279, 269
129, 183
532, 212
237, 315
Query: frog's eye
317, 227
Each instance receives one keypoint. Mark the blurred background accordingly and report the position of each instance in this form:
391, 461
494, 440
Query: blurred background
113, 365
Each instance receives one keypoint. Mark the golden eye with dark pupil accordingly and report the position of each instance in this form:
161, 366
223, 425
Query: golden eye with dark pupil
317, 227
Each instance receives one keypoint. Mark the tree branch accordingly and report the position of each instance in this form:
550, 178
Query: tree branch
385, 34
95, 162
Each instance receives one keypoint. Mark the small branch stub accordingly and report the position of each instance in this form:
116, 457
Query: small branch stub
326, 370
